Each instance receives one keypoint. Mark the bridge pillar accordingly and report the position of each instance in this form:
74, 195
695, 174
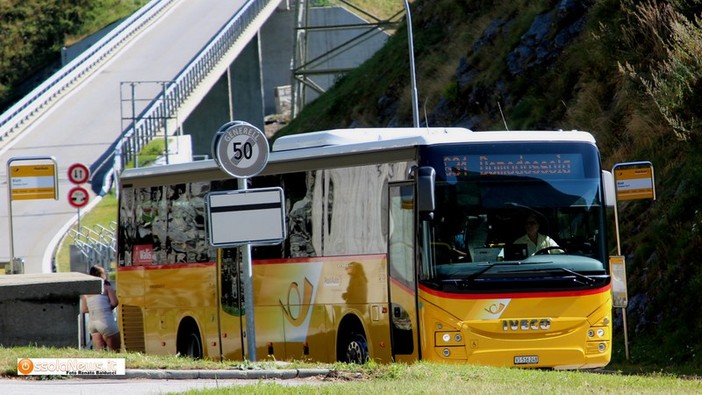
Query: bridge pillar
238, 94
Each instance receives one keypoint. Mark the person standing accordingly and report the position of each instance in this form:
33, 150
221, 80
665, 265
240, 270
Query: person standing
101, 322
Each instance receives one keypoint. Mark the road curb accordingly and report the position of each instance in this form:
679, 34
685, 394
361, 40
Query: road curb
280, 374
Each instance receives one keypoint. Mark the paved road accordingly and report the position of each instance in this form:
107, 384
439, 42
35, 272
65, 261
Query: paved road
82, 126
131, 387
110, 386
161, 381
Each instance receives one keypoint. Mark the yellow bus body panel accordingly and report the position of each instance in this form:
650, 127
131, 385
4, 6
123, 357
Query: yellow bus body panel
300, 303
298, 306
560, 330
164, 295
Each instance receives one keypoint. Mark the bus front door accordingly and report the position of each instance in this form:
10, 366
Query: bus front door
403, 284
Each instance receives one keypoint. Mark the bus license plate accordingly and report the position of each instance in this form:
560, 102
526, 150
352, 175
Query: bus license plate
526, 360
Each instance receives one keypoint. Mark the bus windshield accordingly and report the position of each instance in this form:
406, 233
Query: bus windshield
523, 216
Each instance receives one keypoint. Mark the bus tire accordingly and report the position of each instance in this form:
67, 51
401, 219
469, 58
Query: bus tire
189, 342
357, 349
353, 345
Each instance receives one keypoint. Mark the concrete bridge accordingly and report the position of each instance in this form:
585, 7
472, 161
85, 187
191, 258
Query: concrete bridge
176, 67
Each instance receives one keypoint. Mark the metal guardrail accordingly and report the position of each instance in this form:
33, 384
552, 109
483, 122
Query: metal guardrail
25, 110
151, 120
97, 245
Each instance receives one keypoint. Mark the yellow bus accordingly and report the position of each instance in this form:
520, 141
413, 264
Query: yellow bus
401, 244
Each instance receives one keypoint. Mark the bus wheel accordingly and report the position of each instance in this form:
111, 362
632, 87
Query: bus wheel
193, 346
356, 349
189, 343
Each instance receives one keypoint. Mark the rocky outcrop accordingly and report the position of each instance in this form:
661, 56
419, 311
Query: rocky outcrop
549, 33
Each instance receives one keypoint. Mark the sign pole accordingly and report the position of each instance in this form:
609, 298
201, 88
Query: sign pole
248, 290
632, 181
619, 253
241, 150
410, 39
36, 181
9, 217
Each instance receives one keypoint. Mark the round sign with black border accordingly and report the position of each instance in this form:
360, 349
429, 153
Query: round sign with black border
240, 149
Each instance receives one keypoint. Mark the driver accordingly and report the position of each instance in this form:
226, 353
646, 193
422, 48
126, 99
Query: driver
534, 240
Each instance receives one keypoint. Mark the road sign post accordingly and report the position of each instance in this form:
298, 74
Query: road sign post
35, 178
78, 197
241, 150
632, 181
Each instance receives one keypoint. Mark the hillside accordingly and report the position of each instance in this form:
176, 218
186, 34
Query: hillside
627, 71
32, 33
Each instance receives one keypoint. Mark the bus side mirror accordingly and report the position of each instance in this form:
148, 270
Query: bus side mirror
426, 178
610, 194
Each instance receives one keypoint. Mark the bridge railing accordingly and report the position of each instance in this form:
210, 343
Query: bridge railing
152, 119
97, 245
24, 111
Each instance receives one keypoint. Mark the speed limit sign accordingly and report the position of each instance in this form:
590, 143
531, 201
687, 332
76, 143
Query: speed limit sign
240, 149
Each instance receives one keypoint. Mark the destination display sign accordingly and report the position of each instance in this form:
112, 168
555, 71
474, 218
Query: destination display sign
534, 165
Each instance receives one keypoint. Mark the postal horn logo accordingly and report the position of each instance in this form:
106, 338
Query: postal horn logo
25, 366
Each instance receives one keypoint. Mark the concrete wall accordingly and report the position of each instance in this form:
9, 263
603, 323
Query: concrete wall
277, 44
42, 309
214, 109
266, 63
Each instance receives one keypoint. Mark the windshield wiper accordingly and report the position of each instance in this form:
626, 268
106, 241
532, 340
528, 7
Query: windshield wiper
586, 279
477, 274
480, 272
581, 278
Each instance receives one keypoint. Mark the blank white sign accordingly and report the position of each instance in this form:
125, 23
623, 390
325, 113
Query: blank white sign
250, 216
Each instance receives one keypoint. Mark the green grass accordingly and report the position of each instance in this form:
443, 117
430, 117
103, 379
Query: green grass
10, 355
150, 153
431, 378
417, 378
104, 12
